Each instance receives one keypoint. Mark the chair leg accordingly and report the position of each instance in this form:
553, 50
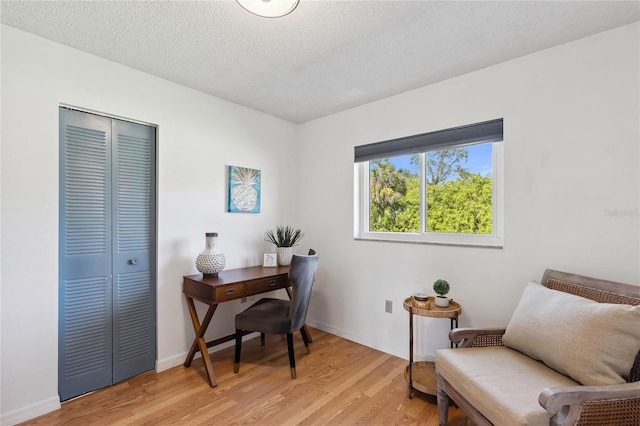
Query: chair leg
292, 359
305, 339
262, 339
443, 401
236, 362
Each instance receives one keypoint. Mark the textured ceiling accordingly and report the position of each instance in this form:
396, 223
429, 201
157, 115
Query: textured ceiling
326, 56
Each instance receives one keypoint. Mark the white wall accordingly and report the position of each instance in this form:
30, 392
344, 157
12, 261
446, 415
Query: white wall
571, 125
571, 156
198, 136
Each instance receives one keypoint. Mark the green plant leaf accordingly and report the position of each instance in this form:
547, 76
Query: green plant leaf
441, 287
284, 236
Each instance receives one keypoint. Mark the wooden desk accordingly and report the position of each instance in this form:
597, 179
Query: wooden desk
228, 285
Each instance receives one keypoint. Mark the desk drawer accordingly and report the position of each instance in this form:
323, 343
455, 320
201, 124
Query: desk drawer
230, 292
267, 284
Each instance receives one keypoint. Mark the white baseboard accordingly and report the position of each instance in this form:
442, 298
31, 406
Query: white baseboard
30, 411
167, 363
172, 361
355, 338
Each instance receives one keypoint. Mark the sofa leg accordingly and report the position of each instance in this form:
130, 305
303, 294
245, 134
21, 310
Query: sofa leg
443, 406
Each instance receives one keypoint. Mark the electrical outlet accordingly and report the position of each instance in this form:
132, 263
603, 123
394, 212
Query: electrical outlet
388, 306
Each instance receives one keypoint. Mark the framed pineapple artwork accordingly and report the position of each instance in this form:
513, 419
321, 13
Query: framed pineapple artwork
244, 190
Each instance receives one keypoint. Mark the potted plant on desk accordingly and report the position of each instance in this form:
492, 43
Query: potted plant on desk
284, 238
441, 287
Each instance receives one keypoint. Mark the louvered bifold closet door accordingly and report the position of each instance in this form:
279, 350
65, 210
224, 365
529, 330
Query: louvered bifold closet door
134, 338
85, 251
107, 303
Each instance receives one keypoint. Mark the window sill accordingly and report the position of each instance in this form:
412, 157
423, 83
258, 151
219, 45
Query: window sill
460, 240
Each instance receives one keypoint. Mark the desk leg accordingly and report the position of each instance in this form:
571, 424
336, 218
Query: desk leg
306, 329
199, 343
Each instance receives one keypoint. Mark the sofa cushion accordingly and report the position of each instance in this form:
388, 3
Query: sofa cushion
593, 343
501, 383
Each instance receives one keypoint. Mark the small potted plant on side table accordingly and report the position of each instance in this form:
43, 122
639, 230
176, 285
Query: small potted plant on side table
441, 287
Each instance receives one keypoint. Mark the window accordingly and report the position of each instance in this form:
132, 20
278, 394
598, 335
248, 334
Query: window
439, 187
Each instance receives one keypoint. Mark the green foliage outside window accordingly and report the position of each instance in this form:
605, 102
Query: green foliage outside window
457, 201
395, 199
461, 206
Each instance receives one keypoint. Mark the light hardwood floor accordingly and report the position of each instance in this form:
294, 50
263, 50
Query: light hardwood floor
339, 383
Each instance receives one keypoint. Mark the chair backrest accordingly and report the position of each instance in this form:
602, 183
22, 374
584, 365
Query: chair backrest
598, 290
302, 272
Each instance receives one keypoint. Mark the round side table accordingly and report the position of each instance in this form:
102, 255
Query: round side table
422, 375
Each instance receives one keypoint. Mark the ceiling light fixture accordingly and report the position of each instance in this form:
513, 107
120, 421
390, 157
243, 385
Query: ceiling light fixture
269, 8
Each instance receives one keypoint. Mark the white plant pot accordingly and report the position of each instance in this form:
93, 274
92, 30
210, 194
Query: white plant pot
284, 255
442, 301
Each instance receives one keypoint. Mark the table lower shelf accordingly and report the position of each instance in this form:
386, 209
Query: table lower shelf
423, 377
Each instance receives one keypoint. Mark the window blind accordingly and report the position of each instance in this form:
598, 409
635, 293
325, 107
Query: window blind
486, 131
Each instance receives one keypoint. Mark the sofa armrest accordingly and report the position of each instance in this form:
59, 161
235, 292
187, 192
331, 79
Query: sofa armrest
476, 337
610, 404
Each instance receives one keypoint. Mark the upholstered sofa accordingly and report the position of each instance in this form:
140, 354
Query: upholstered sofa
569, 355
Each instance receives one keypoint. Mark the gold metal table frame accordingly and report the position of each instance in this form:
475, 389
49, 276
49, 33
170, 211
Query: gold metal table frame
421, 375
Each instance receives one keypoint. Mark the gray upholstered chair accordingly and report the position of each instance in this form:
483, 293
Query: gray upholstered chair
279, 316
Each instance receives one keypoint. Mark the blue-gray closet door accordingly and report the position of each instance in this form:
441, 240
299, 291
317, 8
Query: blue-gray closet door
107, 286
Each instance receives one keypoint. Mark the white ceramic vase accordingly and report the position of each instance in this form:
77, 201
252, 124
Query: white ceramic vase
284, 255
211, 261
441, 301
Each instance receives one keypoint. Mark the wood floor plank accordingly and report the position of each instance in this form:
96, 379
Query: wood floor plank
339, 383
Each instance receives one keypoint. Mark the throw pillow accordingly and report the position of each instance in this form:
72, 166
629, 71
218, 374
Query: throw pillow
593, 343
